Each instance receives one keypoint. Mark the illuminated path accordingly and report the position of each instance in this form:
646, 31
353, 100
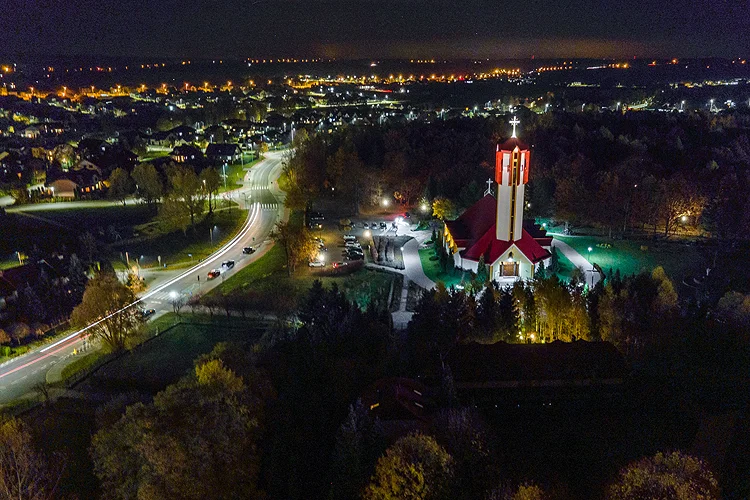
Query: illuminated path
265, 206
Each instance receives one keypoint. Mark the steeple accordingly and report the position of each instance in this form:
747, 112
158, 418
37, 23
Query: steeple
511, 174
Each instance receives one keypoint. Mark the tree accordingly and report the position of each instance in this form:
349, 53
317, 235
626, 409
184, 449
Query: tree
196, 440
88, 245
443, 208
187, 189
135, 283
211, 181
23, 472
120, 185
482, 274
415, 467
148, 185
665, 475
174, 214
734, 309
357, 449
297, 242
65, 155
102, 309
678, 198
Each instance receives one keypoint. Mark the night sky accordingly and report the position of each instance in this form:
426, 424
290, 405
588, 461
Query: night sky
376, 28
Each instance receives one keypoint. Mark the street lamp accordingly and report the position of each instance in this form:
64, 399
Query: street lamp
385, 202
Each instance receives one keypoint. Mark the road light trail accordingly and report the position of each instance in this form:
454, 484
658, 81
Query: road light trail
252, 217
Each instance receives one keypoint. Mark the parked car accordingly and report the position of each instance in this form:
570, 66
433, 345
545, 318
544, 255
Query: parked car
248, 250
383, 225
214, 273
365, 225
229, 264
319, 240
352, 244
353, 256
350, 237
316, 263
407, 215
339, 264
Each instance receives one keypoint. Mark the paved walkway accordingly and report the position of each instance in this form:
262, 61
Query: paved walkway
412, 263
578, 260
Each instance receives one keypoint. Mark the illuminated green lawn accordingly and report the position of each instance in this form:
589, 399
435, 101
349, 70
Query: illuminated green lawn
634, 256
431, 267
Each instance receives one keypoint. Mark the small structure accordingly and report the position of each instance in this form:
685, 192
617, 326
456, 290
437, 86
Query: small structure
186, 154
493, 228
501, 373
223, 153
401, 405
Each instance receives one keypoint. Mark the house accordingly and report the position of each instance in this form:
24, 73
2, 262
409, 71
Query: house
30, 132
85, 178
183, 134
187, 153
400, 404
223, 153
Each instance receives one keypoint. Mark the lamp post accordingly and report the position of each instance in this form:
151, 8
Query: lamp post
592, 267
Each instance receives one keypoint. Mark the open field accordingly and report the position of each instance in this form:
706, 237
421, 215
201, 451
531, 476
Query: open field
165, 358
175, 247
270, 273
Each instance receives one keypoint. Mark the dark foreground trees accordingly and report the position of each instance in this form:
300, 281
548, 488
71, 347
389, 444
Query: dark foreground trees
673, 476
196, 440
414, 467
24, 474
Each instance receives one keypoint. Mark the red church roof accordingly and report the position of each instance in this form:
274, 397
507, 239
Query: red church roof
475, 231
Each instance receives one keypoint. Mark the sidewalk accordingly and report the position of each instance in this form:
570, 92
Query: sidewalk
412, 262
578, 260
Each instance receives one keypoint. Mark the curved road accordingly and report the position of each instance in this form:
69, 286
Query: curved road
259, 195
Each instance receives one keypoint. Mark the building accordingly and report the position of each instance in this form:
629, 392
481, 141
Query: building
505, 374
493, 228
223, 153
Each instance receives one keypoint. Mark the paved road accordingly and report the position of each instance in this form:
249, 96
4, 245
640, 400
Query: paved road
263, 200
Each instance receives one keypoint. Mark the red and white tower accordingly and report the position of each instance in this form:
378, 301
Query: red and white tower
511, 174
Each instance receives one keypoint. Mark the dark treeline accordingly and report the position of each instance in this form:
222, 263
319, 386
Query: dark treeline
644, 170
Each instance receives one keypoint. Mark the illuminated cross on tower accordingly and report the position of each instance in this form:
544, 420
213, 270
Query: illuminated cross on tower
489, 187
515, 121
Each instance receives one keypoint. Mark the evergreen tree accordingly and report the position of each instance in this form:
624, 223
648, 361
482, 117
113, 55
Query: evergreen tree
541, 272
482, 274
554, 262
359, 442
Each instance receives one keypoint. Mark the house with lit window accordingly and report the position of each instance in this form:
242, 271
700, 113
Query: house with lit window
493, 228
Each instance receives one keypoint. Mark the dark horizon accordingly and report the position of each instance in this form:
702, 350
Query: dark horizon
357, 29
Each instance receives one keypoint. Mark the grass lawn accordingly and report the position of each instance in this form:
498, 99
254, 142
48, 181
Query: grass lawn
677, 259
362, 286
8, 263
432, 269
174, 247
96, 220
235, 173
162, 360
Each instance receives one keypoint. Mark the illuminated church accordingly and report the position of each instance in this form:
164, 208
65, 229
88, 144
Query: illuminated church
494, 227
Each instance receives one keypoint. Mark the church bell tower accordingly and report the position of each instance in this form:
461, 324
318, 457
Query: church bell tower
511, 174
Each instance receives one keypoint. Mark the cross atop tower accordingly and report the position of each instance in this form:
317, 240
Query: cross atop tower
515, 121
489, 187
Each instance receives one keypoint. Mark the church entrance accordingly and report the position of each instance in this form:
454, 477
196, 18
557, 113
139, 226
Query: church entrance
509, 269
